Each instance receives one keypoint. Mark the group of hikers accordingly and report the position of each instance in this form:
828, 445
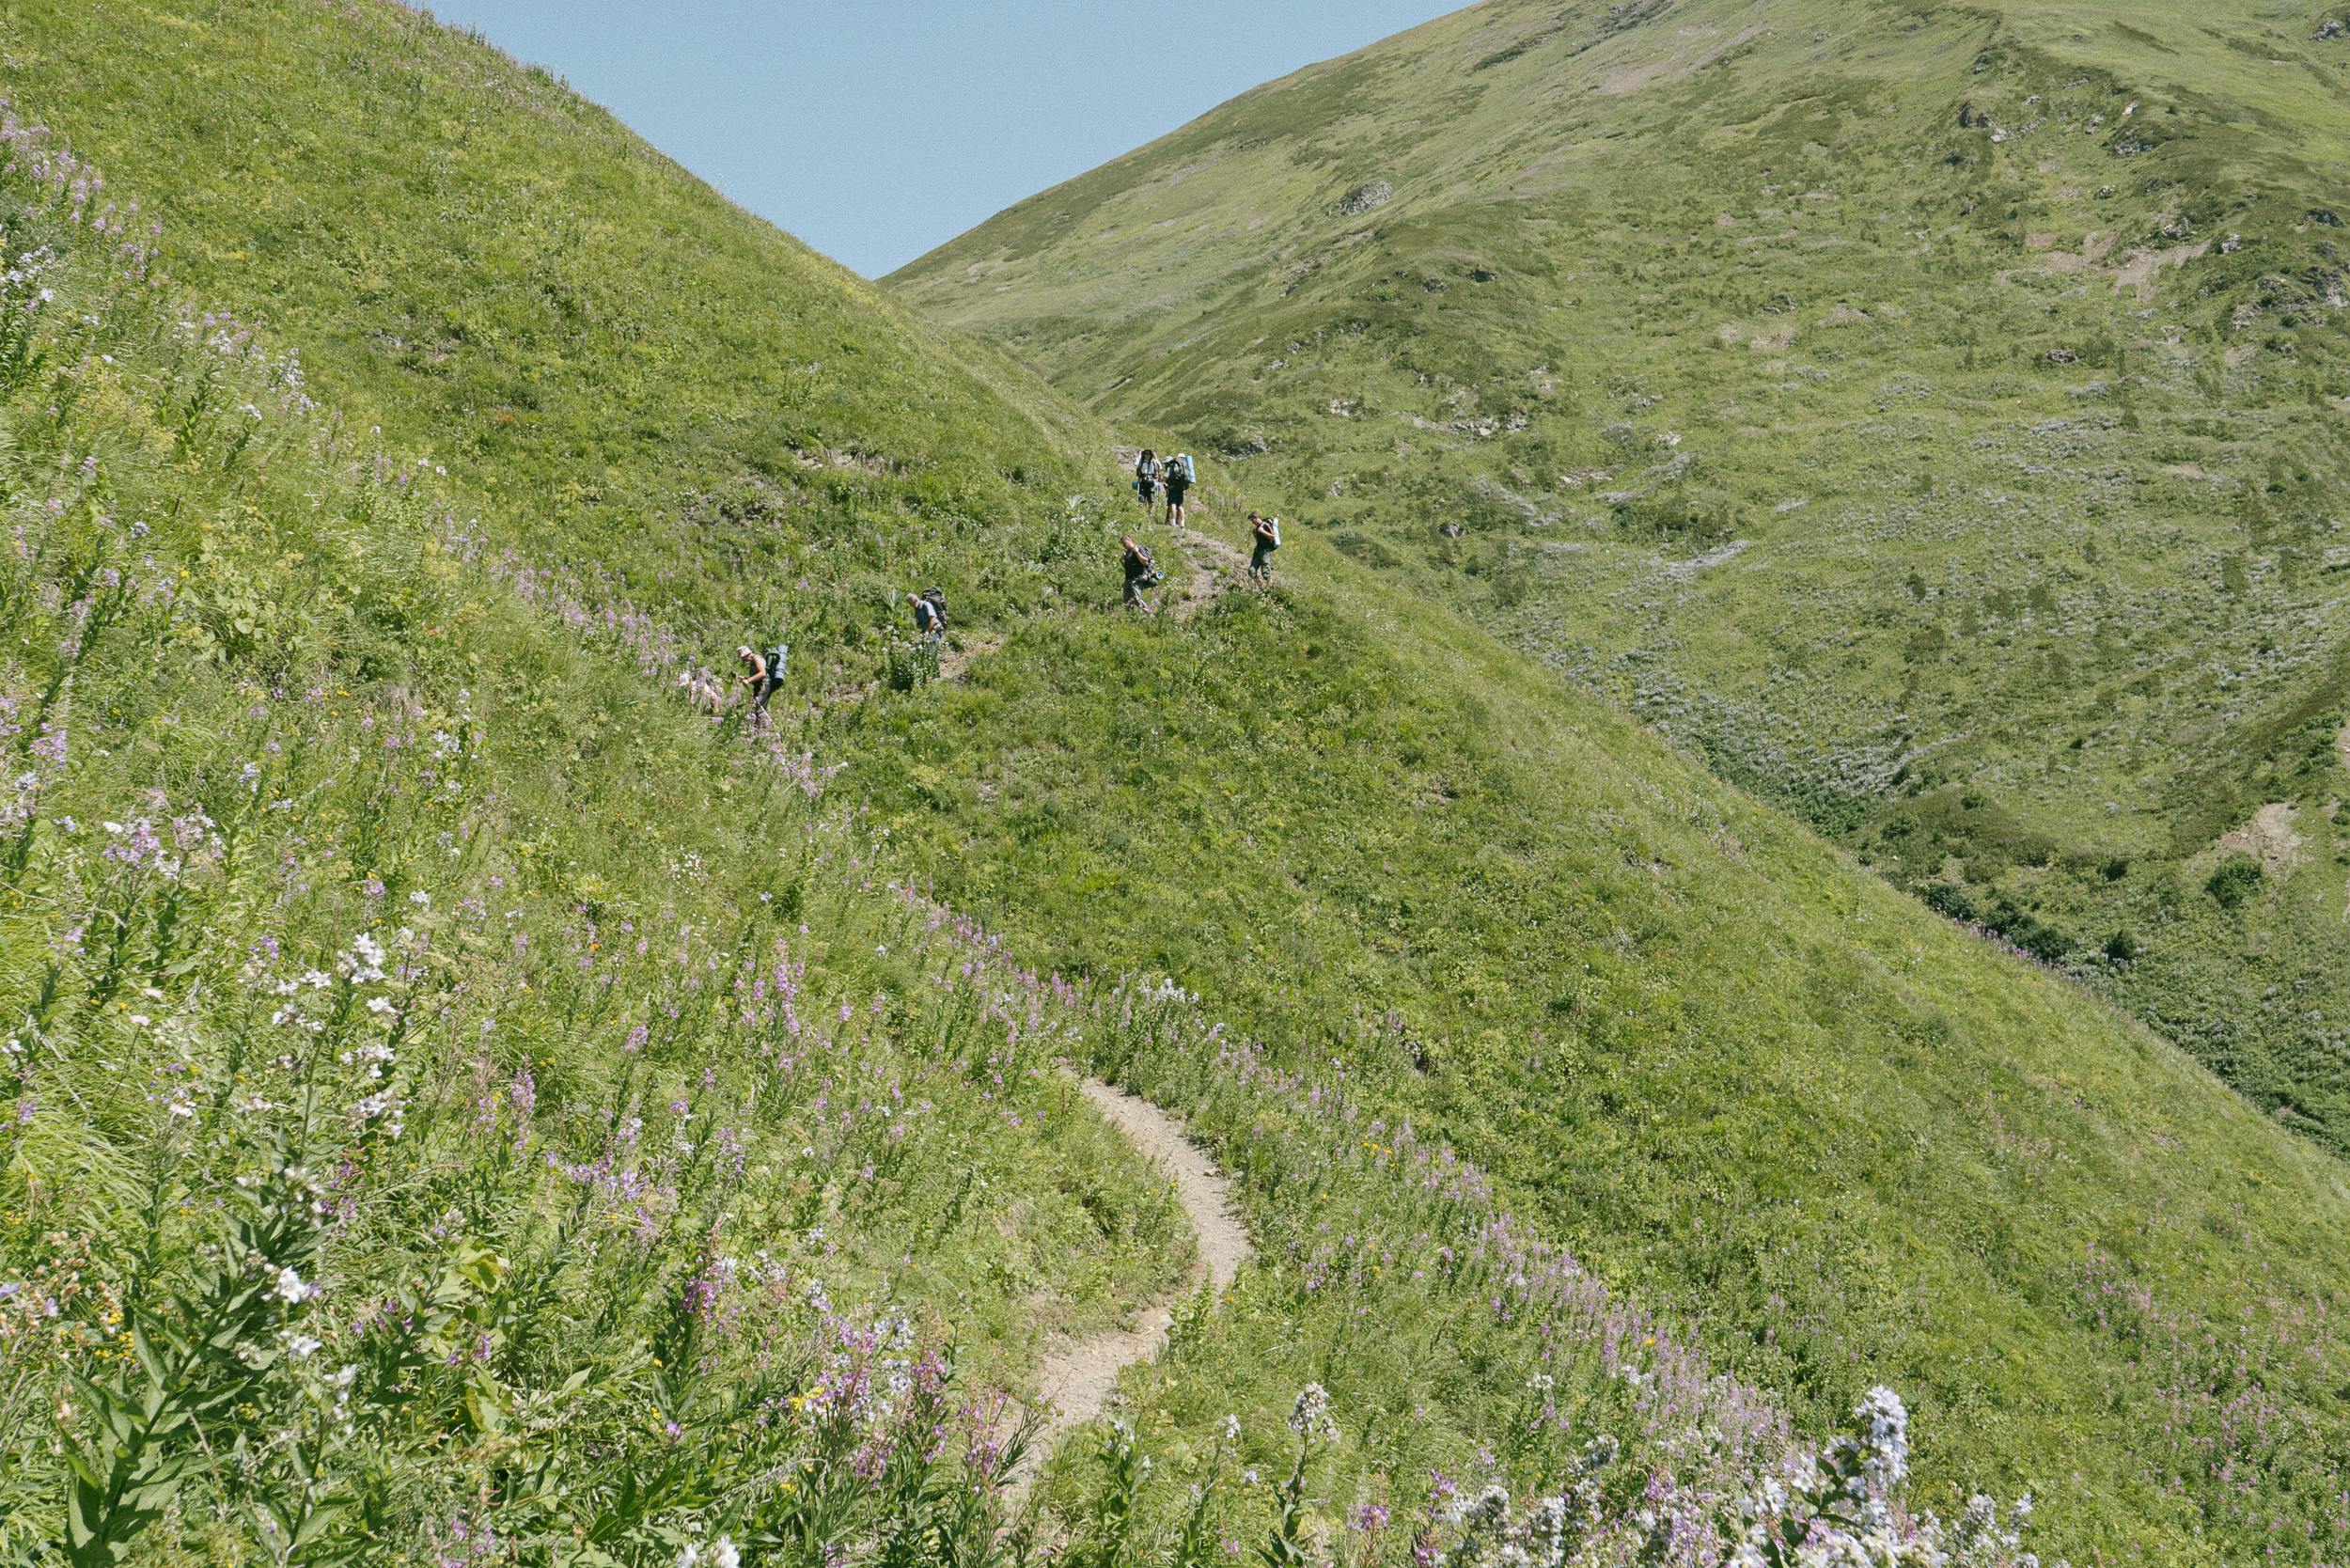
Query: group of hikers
1178, 474
763, 667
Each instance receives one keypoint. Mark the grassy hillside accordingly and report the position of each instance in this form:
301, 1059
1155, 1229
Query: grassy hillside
1933, 415
453, 1096
467, 1107
1502, 981
464, 1108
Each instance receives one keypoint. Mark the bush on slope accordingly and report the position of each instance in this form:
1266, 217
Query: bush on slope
1933, 415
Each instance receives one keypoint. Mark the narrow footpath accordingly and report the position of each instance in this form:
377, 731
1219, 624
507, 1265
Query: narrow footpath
1077, 1378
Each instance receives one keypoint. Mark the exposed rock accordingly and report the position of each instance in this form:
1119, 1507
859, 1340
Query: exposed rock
1362, 199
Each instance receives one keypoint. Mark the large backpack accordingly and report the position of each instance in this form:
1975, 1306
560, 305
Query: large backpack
936, 599
1269, 533
777, 657
1183, 465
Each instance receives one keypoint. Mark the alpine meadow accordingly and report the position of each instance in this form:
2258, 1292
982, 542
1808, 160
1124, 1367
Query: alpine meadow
1740, 960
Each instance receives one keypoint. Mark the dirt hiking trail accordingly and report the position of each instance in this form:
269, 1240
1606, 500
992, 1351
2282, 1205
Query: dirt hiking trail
1077, 1378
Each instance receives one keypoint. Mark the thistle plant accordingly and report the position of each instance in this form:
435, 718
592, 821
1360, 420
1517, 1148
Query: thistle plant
1311, 1422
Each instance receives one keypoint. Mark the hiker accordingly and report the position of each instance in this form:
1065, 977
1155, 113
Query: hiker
1147, 478
930, 614
1267, 534
1178, 476
1141, 572
763, 677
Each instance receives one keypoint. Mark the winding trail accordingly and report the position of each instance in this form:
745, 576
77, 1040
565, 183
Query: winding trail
1077, 1378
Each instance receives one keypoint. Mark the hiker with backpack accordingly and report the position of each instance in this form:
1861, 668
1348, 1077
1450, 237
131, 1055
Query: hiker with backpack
1266, 532
763, 677
930, 614
1141, 572
1178, 476
1147, 478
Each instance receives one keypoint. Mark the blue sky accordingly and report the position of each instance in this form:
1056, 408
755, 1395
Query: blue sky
877, 129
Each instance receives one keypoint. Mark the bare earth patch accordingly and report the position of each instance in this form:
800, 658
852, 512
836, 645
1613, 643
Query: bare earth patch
2270, 836
2139, 271
955, 663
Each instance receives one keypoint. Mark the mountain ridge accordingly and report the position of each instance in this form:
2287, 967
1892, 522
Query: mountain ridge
1927, 414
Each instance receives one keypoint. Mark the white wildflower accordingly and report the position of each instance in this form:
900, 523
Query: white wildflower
1310, 1418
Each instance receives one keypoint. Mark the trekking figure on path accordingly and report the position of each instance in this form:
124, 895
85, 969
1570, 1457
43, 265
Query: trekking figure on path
763, 677
1147, 478
1141, 572
1180, 476
930, 614
1266, 533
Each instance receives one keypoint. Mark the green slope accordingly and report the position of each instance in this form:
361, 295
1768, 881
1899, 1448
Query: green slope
456, 1103
1838, 1140
676, 1100
1934, 415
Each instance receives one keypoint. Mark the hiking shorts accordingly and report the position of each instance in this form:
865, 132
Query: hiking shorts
1261, 560
1146, 489
1175, 493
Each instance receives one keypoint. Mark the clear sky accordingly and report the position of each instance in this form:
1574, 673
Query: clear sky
875, 130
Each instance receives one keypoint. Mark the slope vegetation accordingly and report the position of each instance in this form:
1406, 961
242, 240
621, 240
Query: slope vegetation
1933, 415
456, 1101
1466, 972
467, 1107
